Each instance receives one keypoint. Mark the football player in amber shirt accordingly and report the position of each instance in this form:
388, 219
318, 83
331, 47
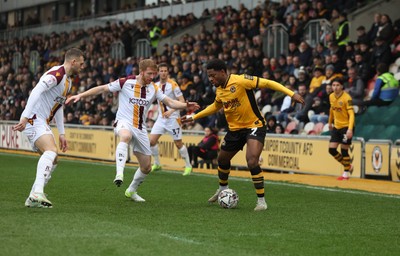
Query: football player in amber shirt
245, 121
341, 124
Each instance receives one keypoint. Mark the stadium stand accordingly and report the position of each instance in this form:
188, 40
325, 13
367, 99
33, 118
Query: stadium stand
239, 36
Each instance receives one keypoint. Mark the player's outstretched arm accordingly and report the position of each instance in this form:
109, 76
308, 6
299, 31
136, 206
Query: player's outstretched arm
94, 91
175, 104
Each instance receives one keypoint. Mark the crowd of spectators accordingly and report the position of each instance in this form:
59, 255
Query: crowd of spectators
236, 37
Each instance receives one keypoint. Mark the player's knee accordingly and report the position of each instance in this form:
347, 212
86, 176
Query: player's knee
344, 152
253, 162
224, 166
333, 151
178, 144
50, 155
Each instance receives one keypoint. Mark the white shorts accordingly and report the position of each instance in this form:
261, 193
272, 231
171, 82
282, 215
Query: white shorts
171, 126
140, 140
35, 131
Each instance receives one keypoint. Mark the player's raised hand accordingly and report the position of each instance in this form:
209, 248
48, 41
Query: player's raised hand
298, 98
74, 99
187, 119
192, 106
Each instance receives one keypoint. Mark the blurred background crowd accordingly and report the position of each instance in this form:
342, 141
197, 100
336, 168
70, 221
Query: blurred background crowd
236, 37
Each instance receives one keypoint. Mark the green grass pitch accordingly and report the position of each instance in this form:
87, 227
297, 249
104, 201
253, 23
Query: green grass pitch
91, 216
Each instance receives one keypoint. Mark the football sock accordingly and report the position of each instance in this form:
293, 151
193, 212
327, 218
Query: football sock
155, 154
258, 181
48, 177
121, 155
184, 153
44, 167
346, 160
336, 154
223, 175
138, 178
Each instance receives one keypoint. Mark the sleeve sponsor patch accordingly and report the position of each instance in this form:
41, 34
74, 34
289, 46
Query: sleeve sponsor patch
50, 81
350, 103
249, 77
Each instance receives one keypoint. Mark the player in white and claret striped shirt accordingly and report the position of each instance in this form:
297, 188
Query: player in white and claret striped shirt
44, 105
168, 120
136, 95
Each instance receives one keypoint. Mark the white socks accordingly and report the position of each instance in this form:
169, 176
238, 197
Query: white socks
43, 171
184, 153
121, 154
222, 187
155, 154
138, 178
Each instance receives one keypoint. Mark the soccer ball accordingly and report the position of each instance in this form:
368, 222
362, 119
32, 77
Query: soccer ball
228, 198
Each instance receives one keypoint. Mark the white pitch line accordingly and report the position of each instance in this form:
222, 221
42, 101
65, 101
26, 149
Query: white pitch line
180, 239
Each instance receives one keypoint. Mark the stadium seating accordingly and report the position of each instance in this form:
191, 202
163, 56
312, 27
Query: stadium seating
379, 122
319, 127
309, 127
290, 127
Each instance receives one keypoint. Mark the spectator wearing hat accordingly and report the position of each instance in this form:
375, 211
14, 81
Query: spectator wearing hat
330, 74
303, 77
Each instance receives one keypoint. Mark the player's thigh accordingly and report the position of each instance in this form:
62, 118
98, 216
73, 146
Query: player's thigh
224, 157
46, 142
253, 152
40, 136
158, 127
154, 139
141, 142
124, 132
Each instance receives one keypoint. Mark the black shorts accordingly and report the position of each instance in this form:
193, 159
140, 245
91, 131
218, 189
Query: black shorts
339, 136
235, 140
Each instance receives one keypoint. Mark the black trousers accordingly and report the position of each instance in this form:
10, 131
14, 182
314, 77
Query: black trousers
195, 152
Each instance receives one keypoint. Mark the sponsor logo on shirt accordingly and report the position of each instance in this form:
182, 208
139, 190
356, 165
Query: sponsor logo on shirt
60, 99
234, 103
139, 101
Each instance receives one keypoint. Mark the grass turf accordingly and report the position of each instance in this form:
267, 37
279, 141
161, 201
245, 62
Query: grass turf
92, 217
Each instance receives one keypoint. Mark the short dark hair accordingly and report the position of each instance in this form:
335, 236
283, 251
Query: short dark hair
382, 68
338, 79
73, 53
216, 64
162, 65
